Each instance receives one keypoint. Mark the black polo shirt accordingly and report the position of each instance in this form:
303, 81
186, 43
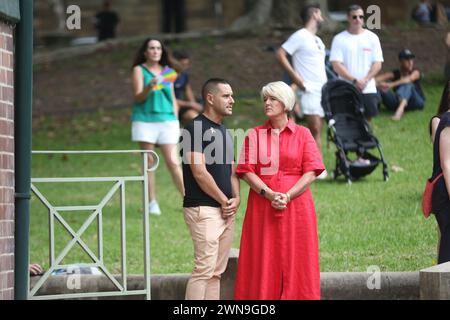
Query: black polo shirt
216, 143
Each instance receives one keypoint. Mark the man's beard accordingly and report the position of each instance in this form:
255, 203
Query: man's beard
320, 24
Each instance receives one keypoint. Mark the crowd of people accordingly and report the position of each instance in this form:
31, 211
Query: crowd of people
279, 252
279, 256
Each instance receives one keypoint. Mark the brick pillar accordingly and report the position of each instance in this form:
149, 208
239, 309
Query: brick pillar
6, 163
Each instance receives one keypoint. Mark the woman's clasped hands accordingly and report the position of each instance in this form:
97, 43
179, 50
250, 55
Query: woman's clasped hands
280, 200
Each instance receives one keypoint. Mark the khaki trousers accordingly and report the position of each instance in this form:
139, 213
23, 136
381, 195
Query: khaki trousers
212, 237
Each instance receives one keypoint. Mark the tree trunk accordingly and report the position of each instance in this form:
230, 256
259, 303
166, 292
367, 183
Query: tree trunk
257, 17
58, 8
328, 23
280, 14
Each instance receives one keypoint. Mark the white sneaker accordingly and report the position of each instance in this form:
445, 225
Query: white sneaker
362, 162
323, 175
153, 208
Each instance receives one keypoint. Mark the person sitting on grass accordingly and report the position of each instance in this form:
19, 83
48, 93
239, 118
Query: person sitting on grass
189, 107
406, 93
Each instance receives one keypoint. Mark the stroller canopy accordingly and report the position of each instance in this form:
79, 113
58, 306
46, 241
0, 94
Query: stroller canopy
341, 97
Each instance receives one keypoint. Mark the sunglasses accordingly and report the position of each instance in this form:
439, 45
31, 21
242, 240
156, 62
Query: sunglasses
356, 17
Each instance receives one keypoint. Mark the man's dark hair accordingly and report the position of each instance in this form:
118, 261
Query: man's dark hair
210, 85
353, 7
180, 55
308, 12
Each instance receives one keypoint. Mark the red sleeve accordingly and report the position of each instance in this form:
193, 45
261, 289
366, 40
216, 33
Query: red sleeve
312, 160
248, 156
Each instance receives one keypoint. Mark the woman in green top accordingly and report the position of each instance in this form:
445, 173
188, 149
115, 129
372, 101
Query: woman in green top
155, 110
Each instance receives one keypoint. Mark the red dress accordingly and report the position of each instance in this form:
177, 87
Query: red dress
279, 254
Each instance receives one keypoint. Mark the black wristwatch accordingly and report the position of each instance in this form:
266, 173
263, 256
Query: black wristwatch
263, 192
354, 81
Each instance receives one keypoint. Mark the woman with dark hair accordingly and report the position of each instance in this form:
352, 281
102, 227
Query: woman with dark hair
441, 165
443, 108
155, 110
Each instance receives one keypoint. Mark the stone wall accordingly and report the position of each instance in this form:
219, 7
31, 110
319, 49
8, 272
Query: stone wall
143, 17
6, 162
138, 17
333, 286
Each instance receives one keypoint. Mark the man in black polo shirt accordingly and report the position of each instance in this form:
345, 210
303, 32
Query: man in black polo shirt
211, 189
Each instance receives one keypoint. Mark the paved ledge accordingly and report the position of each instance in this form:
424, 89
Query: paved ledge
355, 286
435, 282
334, 285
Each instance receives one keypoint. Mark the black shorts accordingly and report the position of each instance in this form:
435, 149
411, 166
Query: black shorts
371, 102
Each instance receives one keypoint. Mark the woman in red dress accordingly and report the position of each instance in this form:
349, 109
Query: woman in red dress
279, 255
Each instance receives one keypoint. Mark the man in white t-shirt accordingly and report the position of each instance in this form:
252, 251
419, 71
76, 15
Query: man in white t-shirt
307, 70
356, 56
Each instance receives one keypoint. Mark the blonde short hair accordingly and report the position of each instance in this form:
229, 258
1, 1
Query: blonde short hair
280, 91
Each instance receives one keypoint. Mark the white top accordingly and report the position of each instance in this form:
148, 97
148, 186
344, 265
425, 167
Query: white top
308, 58
357, 53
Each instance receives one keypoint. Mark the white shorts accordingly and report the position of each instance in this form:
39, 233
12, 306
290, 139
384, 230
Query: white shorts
167, 132
310, 103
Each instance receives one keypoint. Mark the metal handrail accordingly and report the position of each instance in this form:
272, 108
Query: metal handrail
55, 262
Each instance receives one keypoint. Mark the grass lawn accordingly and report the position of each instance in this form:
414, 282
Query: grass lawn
368, 223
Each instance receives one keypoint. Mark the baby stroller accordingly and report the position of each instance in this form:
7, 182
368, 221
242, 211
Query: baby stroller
350, 132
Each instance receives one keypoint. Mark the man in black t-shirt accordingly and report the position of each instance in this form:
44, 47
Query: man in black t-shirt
406, 93
211, 189
106, 22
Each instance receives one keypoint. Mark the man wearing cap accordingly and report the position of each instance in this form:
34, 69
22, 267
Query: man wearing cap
406, 93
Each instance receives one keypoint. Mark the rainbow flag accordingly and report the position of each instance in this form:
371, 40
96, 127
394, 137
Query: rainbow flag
158, 87
167, 76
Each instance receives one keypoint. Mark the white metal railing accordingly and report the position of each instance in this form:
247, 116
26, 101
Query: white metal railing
97, 214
